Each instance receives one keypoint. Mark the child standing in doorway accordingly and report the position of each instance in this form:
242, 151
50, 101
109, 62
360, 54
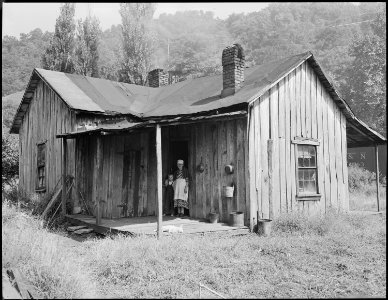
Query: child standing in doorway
169, 195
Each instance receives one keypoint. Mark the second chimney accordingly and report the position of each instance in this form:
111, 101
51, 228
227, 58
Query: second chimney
157, 78
233, 64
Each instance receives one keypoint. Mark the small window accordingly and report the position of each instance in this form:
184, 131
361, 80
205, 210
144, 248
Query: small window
307, 170
41, 167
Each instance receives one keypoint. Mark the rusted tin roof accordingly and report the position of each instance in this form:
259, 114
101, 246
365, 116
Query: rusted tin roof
193, 96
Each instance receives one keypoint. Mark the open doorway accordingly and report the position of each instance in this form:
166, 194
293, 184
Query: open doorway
179, 149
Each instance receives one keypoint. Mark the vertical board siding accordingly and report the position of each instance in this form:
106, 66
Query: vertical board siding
128, 178
130, 163
299, 106
218, 144
46, 117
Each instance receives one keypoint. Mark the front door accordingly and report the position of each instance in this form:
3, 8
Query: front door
179, 149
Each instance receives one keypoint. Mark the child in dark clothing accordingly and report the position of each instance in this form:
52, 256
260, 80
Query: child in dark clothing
169, 195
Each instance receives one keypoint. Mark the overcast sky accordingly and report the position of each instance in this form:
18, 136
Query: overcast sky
24, 17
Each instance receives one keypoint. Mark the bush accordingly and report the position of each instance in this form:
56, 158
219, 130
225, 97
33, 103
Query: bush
319, 224
9, 158
360, 179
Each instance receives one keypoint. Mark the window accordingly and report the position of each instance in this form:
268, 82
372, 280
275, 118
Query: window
307, 170
41, 167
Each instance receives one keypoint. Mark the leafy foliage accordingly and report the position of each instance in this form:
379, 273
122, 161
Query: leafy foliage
137, 41
367, 78
20, 57
59, 54
349, 47
10, 143
9, 158
86, 52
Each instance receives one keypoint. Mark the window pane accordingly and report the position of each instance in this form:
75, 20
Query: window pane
309, 187
313, 162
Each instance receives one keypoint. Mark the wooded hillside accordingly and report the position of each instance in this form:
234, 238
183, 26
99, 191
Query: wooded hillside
190, 43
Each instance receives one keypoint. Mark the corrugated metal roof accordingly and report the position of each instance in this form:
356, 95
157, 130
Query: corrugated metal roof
186, 97
192, 96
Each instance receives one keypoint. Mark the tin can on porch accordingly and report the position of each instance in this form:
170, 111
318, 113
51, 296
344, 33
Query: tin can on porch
236, 219
264, 227
213, 217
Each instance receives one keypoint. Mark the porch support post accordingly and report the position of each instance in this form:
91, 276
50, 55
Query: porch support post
159, 178
98, 179
377, 177
64, 163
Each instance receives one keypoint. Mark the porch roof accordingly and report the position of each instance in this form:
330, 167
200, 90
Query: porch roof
125, 126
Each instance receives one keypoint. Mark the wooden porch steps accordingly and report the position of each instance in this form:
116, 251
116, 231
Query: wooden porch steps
147, 225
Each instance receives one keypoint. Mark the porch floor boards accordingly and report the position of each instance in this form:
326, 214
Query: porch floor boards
147, 225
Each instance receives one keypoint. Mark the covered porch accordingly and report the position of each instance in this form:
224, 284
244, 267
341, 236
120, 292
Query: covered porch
121, 167
361, 135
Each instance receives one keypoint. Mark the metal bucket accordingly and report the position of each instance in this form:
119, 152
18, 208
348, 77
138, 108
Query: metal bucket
264, 227
228, 191
236, 219
213, 217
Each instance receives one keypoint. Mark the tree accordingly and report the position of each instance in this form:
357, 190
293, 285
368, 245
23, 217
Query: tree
9, 157
366, 82
137, 41
59, 55
86, 52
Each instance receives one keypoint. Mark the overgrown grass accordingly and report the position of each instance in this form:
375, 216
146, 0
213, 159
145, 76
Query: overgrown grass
335, 255
363, 191
43, 256
327, 256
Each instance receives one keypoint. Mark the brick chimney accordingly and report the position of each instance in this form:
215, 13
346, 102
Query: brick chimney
157, 78
233, 64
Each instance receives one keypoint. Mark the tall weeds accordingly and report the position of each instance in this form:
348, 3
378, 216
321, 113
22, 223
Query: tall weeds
43, 257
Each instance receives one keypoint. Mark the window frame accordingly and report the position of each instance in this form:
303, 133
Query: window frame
300, 141
41, 188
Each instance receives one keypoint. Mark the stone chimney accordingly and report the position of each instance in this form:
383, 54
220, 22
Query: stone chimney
157, 78
233, 64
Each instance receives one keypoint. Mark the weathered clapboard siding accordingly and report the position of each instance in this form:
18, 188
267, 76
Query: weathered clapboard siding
218, 144
47, 116
128, 172
298, 106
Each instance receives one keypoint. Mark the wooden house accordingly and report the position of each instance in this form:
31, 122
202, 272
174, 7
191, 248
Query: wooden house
282, 127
